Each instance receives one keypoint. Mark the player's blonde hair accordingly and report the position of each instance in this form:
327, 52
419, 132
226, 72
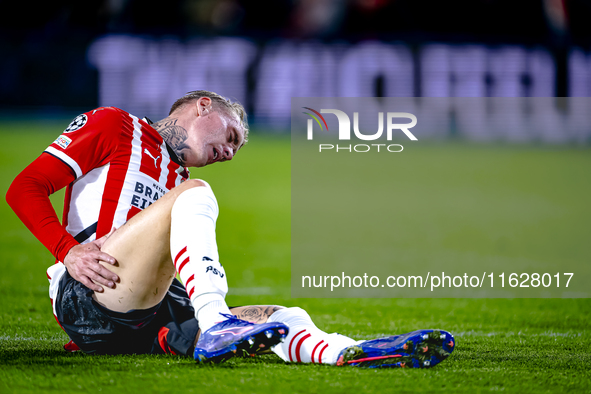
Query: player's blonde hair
219, 102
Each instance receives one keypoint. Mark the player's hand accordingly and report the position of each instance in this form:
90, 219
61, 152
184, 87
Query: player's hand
82, 262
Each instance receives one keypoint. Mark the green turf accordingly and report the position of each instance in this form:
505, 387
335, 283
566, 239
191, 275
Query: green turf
454, 208
521, 345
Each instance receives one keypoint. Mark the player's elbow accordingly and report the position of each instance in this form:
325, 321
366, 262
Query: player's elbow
12, 195
19, 188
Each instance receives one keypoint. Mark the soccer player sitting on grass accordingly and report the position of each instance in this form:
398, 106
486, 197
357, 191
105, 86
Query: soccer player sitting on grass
133, 219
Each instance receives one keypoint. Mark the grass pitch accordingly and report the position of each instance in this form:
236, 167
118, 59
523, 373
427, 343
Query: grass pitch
519, 345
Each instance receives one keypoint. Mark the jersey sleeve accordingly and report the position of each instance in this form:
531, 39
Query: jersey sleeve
28, 196
89, 140
87, 143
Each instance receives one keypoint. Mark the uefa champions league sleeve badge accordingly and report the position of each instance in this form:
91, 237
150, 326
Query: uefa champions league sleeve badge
78, 122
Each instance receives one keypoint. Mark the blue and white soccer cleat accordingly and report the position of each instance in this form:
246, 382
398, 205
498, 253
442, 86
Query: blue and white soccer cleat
417, 349
234, 336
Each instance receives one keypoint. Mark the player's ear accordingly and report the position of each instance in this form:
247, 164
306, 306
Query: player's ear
203, 105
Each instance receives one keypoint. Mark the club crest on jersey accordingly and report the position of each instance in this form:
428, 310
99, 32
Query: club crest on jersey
62, 141
78, 122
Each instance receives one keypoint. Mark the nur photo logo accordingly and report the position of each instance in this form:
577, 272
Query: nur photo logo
344, 132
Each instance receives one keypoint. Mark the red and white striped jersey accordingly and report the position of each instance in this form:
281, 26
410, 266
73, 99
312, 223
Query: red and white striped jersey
122, 166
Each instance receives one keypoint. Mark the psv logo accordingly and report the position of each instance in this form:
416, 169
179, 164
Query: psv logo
214, 271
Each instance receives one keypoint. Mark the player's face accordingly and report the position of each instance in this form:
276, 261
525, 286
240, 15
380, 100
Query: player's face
213, 136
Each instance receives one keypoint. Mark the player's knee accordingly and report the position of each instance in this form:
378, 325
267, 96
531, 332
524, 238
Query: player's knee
195, 195
190, 183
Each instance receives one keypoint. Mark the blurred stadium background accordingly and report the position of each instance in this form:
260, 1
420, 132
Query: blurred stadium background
66, 57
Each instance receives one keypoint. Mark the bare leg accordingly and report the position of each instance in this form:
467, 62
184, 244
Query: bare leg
142, 250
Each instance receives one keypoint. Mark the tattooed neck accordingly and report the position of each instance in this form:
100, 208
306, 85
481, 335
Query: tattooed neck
175, 137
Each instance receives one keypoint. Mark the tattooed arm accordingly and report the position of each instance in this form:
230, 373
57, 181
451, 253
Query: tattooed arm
174, 136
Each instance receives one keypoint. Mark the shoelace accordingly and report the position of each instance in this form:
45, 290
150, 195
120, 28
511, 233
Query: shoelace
233, 319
